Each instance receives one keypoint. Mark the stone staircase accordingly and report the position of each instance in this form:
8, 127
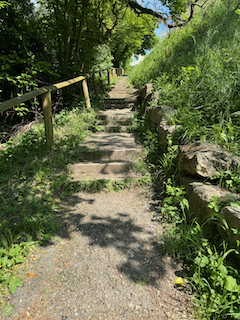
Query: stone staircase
112, 152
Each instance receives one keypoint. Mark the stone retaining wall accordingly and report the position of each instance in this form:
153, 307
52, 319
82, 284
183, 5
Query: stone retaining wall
197, 163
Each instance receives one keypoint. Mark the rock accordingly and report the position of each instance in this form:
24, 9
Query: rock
160, 114
232, 216
200, 195
204, 159
146, 95
164, 130
149, 87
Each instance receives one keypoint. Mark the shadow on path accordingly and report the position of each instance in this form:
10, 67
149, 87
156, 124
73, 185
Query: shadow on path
131, 248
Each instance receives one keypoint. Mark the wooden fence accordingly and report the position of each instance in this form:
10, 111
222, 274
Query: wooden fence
45, 93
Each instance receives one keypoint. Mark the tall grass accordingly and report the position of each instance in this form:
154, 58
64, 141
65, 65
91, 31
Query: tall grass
196, 70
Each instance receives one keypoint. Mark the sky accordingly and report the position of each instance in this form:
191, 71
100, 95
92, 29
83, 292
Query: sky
156, 5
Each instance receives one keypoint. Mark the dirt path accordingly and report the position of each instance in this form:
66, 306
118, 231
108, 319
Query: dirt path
106, 261
104, 264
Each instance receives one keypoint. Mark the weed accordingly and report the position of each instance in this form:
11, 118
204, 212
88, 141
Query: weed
228, 179
143, 282
95, 186
175, 205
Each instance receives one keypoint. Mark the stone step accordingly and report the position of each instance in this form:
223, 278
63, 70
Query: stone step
126, 112
124, 105
114, 123
118, 101
115, 128
121, 90
89, 176
111, 154
111, 141
113, 118
119, 95
98, 168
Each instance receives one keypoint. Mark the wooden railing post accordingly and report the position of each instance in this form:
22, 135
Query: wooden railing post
47, 111
114, 73
86, 94
109, 76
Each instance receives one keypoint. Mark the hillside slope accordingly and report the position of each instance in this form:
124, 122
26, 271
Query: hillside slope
196, 71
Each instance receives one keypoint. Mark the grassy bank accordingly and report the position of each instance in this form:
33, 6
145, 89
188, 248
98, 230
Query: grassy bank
196, 71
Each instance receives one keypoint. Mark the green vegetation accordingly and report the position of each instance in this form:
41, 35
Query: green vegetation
33, 183
209, 262
196, 71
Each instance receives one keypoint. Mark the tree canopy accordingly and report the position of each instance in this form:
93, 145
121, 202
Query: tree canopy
61, 38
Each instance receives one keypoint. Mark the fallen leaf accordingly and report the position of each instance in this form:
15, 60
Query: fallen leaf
31, 275
65, 263
33, 258
178, 280
57, 200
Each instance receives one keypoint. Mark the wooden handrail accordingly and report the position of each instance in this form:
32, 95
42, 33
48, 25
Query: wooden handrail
45, 93
11, 103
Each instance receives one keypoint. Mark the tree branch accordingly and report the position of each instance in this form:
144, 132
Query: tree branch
138, 9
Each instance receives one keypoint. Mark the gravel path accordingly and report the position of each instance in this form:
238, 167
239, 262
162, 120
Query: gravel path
104, 264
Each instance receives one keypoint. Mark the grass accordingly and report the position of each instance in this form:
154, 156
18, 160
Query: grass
32, 182
196, 71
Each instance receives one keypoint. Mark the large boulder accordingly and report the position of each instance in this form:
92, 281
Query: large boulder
204, 159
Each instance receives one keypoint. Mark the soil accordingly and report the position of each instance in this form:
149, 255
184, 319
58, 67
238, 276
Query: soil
105, 263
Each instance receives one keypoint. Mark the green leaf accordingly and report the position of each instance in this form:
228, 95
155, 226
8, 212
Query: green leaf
223, 270
19, 259
230, 284
8, 309
234, 315
14, 282
201, 261
234, 204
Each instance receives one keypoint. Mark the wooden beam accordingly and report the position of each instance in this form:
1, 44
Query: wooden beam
109, 76
68, 82
86, 93
47, 111
11, 103
114, 73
